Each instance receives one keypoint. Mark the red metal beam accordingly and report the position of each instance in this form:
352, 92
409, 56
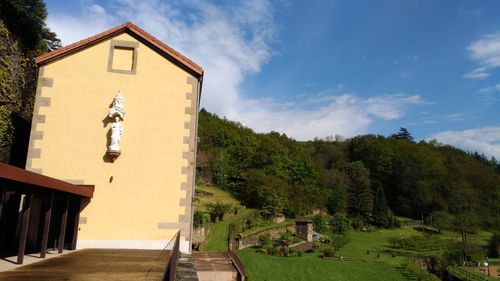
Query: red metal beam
22, 176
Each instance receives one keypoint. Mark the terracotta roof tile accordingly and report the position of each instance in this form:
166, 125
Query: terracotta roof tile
128, 26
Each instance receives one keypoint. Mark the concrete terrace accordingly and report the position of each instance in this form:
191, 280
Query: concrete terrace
94, 265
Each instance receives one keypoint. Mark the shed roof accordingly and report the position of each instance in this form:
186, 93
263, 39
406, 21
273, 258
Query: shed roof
26, 177
133, 30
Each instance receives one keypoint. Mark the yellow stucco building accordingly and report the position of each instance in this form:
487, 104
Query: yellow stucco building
144, 196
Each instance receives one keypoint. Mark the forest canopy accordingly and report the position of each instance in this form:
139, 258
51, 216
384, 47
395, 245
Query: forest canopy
369, 177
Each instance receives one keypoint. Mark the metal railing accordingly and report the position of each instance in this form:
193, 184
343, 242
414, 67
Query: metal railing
170, 271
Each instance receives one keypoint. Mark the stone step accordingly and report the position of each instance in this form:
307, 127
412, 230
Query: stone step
185, 269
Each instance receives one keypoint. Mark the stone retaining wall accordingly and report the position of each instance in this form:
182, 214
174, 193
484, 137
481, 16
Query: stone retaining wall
253, 240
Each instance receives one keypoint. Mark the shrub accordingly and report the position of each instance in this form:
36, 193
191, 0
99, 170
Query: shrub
320, 223
419, 273
328, 252
338, 242
316, 245
358, 223
217, 210
286, 235
340, 224
265, 239
267, 249
199, 219
286, 251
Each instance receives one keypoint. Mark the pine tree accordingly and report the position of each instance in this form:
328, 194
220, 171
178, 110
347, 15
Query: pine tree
403, 134
380, 212
359, 194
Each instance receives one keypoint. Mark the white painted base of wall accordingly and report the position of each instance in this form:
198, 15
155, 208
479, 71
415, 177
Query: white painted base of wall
185, 246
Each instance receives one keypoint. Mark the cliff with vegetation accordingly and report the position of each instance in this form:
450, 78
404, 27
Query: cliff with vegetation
23, 35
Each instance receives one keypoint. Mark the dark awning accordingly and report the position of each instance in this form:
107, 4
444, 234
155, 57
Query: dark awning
22, 176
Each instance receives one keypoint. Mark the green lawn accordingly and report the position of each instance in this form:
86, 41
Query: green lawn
365, 266
309, 267
375, 242
217, 236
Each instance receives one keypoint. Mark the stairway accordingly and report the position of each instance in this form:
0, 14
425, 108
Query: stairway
185, 269
214, 267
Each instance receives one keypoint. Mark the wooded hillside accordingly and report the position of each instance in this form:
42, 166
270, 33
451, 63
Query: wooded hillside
369, 177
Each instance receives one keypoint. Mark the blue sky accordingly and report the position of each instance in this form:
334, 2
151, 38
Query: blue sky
319, 68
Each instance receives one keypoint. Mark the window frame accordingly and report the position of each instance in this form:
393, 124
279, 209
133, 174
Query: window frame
126, 45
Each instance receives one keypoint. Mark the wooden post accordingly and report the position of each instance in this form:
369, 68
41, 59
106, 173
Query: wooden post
1, 201
25, 217
47, 211
2, 227
62, 232
77, 220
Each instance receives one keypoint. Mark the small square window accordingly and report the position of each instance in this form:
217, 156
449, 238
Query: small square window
123, 57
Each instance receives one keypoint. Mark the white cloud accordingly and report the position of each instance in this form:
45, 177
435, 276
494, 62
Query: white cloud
346, 114
478, 73
69, 29
489, 94
230, 41
486, 52
483, 140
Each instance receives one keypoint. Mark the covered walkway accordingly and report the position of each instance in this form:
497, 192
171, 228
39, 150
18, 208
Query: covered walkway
38, 212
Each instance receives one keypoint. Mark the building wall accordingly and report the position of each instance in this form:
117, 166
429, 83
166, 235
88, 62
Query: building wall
144, 197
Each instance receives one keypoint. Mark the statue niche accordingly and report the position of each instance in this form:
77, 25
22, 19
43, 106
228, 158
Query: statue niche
117, 113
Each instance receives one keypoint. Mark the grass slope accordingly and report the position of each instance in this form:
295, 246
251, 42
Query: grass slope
217, 236
215, 195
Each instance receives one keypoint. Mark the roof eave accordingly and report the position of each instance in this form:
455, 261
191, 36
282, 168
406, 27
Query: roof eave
160, 47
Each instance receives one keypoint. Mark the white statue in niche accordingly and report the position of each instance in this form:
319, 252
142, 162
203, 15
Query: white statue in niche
116, 112
117, 108
116, 134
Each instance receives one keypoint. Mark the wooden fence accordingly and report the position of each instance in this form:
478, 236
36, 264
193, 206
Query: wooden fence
467, 275
238, 264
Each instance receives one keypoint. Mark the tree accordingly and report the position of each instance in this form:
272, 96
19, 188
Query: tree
320, 223
380, 212
403, 134
265, 192
359, 194
440, 220
341, 225
465, 209
494, 245
336, 201
26, 20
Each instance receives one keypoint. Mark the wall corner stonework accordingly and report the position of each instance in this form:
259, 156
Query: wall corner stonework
38, 118
190, 157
